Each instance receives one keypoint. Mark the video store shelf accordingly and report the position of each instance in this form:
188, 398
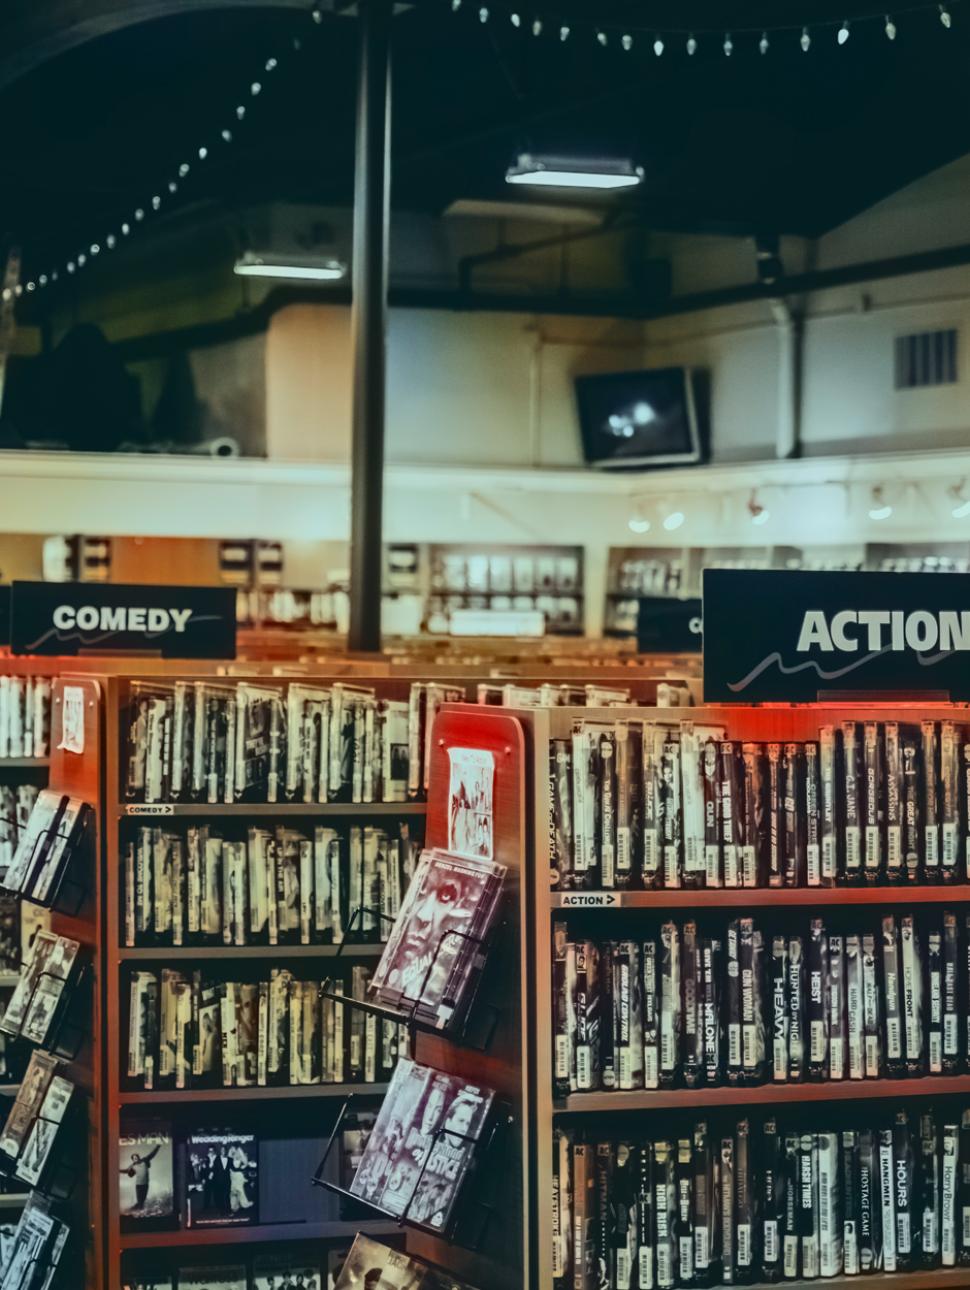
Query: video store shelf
250, 810
259, 1233
24, 763
759, 897
190, 953
258, 1093
763, 1095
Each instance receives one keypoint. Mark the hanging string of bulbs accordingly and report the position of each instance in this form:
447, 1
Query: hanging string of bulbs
219, 138
627, 36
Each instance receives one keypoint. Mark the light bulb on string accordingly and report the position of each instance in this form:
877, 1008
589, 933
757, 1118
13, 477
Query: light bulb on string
691, 45
95, 248
728, 46
483, 14
255, 88
515, 19
627, 42
173, 187
43, 279
139, 214
564, 33
184, 169
658, 46
240, 111
31, 286
54, 276
271, 65
602, 37
297, 44
125, 229
82, 260
18, 290
111, 241
203, 153
317, 15
805, 41
156, 203
537, 27
227, 136
763, 43
843, 35
890, 28
455, 5
945, 17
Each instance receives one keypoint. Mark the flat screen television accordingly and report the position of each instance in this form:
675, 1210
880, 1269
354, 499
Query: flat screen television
639, 419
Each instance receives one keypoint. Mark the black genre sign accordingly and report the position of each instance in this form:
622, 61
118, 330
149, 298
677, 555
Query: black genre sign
667, 626
789, 637
83, 617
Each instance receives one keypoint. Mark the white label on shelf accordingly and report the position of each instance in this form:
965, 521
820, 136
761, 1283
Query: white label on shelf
142, 808
587, 900
72, 720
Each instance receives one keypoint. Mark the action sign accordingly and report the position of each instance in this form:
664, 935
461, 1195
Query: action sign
788, 637
84, 617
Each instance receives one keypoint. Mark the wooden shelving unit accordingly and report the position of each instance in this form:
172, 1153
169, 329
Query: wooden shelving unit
769, 723
218, 1106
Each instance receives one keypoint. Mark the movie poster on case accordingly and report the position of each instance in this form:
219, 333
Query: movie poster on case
470, 807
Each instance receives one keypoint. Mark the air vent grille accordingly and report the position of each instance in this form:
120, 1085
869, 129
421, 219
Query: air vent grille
926, 358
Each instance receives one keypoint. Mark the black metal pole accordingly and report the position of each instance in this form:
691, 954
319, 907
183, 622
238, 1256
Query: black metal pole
368, 321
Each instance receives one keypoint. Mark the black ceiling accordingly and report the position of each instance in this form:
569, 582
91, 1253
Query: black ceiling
787, 142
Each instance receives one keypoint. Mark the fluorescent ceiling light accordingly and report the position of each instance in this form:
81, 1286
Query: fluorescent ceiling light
251, 265
571, 172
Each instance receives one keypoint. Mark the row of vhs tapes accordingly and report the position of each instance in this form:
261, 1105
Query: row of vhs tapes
188, 1031
647, 804
274, 886
222, 742
766, 1201
746, 1006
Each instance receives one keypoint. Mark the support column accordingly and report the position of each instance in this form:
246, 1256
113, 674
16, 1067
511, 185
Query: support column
368, 324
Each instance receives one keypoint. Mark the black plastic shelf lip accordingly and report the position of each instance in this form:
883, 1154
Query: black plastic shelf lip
189, 953
278, 1093
761, 897
762, 1094
264, 1233
251, 810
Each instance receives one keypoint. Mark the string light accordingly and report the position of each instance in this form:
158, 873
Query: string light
728, 46
271, 65
537, 27
483, 14
658, 47
455, 5
843, 35
627, 43
806, 41
945, 18
890, 28
516, 20
563, 33
203, 153
227, 136
691, 45
602, 37
763, 43
255, 88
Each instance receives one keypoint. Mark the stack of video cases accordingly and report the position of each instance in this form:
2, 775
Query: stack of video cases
646, 804
761, 1200
25, 716
745, 1006
223, 742
187, 1031
277, 887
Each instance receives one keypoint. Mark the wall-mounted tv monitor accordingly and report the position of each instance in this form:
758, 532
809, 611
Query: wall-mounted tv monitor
639, 419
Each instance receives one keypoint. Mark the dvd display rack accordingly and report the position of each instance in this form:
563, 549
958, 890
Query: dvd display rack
291, 1121
610, 915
